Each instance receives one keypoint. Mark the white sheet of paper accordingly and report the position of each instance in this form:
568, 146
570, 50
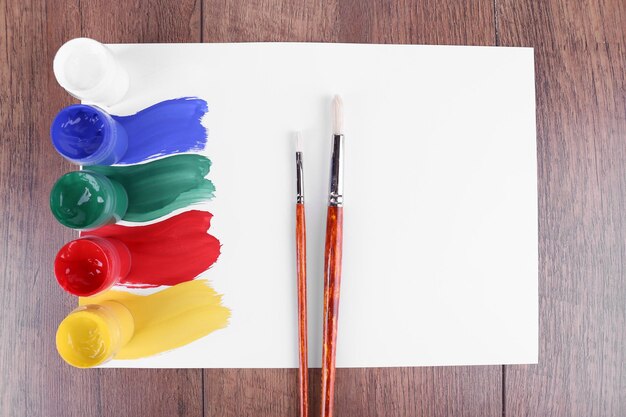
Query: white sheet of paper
440, 236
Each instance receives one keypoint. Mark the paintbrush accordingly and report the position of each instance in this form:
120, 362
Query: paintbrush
332, 260
303, 371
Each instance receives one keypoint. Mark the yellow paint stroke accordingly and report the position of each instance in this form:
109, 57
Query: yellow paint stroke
168, 319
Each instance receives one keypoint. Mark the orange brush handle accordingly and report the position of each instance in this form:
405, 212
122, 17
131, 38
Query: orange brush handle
303, 372
332, 281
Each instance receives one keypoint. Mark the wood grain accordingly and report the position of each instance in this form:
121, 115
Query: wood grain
332, 290
580, 53
303, 354
580, 50
35, 381
450, 391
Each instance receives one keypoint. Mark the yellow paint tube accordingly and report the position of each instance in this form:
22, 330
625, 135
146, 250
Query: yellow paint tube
102, 327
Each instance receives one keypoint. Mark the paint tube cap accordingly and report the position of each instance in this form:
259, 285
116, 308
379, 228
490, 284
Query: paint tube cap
87, 135
86, 200
92, 334
89, 71
91, 265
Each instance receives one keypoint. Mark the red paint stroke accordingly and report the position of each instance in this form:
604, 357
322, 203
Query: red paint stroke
168, 252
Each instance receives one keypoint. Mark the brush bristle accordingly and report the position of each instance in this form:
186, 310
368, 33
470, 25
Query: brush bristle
338, 115
298, 141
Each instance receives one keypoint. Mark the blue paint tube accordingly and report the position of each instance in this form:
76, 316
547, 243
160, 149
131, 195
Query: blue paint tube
86, 135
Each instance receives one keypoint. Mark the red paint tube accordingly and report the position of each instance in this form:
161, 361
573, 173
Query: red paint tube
90, 265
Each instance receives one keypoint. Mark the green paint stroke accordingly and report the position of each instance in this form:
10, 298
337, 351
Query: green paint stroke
160, 187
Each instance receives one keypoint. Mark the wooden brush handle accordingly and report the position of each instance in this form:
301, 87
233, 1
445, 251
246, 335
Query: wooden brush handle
332, 281
303, 372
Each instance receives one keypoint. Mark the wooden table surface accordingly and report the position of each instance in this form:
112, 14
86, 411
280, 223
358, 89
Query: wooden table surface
580, 51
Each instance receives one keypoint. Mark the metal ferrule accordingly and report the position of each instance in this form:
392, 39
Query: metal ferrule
335, 195
299, 179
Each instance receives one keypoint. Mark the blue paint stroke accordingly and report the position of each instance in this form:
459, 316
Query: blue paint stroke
166, 128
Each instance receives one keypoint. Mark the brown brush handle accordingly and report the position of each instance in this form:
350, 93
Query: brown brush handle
303, 372
332, 281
